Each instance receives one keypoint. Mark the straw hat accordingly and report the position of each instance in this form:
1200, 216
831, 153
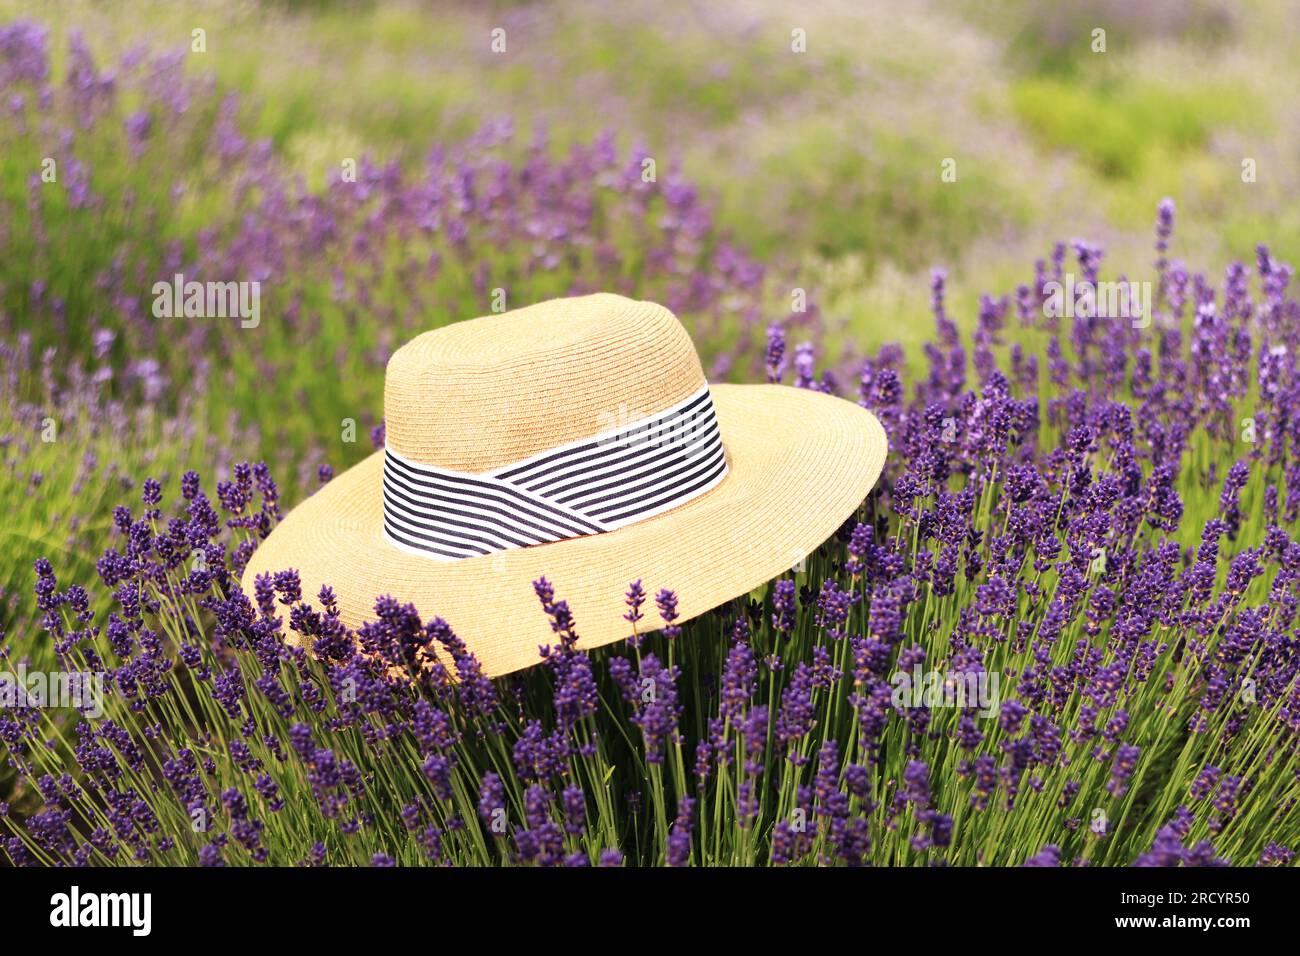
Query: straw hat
577, 440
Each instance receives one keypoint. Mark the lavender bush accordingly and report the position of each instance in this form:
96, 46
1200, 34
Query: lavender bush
115, 178
154, 175
1104, 539
67, 458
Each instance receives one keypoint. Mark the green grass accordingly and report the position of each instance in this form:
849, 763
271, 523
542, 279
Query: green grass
1123, 131
863, 198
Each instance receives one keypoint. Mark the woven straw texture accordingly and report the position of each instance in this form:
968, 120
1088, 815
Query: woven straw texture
483, 393
480, 394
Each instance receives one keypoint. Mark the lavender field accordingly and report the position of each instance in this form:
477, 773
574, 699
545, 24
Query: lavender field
1061, 630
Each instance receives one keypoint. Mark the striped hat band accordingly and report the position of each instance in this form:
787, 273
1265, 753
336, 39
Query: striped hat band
615, 478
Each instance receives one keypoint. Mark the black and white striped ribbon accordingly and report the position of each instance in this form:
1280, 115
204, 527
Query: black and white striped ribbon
596, 484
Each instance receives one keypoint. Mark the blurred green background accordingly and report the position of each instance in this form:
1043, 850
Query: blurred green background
828, 160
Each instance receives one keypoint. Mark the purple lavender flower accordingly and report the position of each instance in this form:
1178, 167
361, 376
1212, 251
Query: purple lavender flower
1050, 855
783, 605
634, 599
679, 838
775, 352
667, 603
660, 709
739, 681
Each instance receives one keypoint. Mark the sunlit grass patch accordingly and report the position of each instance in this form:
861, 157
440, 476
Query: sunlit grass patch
1118, 129
873, 195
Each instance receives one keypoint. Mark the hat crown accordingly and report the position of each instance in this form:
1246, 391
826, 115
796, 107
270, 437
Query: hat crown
480, 394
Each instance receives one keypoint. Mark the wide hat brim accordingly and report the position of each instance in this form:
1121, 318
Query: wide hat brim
800, 463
